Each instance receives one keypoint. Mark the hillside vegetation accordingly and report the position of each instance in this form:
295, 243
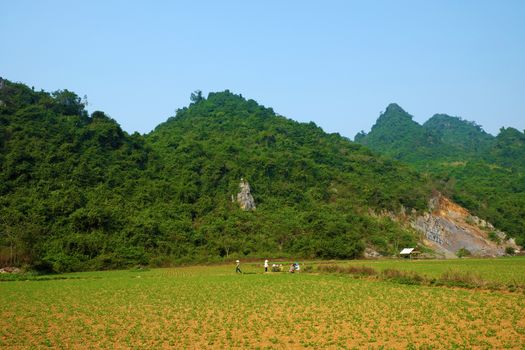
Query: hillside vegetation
77, 192
484, 173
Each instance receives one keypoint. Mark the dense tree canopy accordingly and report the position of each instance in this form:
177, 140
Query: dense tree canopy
77, 192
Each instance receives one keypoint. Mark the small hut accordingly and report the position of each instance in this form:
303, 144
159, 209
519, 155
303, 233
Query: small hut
409, 253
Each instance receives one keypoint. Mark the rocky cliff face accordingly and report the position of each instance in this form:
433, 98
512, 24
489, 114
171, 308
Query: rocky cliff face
449, 227
244, 197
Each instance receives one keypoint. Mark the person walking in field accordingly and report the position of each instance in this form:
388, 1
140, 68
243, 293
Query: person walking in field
238, 267
266, 265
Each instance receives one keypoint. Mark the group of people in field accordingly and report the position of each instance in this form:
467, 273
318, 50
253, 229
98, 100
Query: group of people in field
275, 267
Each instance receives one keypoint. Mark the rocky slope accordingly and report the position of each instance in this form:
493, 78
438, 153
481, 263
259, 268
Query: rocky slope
449, 228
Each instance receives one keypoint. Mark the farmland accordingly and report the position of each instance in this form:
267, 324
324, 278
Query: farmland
493, 270
212, 307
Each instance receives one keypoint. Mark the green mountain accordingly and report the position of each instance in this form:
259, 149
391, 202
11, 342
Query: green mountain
486, 174
77, 192
508, 150
396, 135
463, 136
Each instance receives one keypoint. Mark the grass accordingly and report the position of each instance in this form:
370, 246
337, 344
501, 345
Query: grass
212, 307
450, 278
502, 270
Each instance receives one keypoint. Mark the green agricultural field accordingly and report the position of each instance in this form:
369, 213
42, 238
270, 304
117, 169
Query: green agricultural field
212, 307
503, 270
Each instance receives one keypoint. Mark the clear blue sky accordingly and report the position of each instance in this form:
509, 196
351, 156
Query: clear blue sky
337, 63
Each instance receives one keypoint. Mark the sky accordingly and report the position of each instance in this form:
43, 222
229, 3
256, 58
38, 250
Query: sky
337, 63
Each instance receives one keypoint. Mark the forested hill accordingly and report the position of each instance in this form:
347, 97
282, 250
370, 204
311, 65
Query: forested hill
395, 134
77, 192
71, 185
313, 190
442, 138
482, 172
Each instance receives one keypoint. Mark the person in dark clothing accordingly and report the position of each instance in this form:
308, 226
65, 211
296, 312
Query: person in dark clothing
238, 267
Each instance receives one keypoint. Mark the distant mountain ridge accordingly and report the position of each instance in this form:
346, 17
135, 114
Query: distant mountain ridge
458, 133
484, 173
397, 135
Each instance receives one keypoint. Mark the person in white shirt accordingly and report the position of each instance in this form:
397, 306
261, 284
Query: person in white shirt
266, 265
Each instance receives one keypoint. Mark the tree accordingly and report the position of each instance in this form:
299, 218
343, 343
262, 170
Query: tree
196, 96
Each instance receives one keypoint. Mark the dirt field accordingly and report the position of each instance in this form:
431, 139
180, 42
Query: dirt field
212, 307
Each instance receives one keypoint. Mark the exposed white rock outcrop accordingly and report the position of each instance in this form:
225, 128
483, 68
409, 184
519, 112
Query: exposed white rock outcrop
371, 253
244, 197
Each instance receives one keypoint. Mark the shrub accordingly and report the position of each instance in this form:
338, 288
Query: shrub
404, 277
308, 268
462, 279
59, 263
328, 268
493, 236
361, 270
510, 251
463, 252
351, 269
